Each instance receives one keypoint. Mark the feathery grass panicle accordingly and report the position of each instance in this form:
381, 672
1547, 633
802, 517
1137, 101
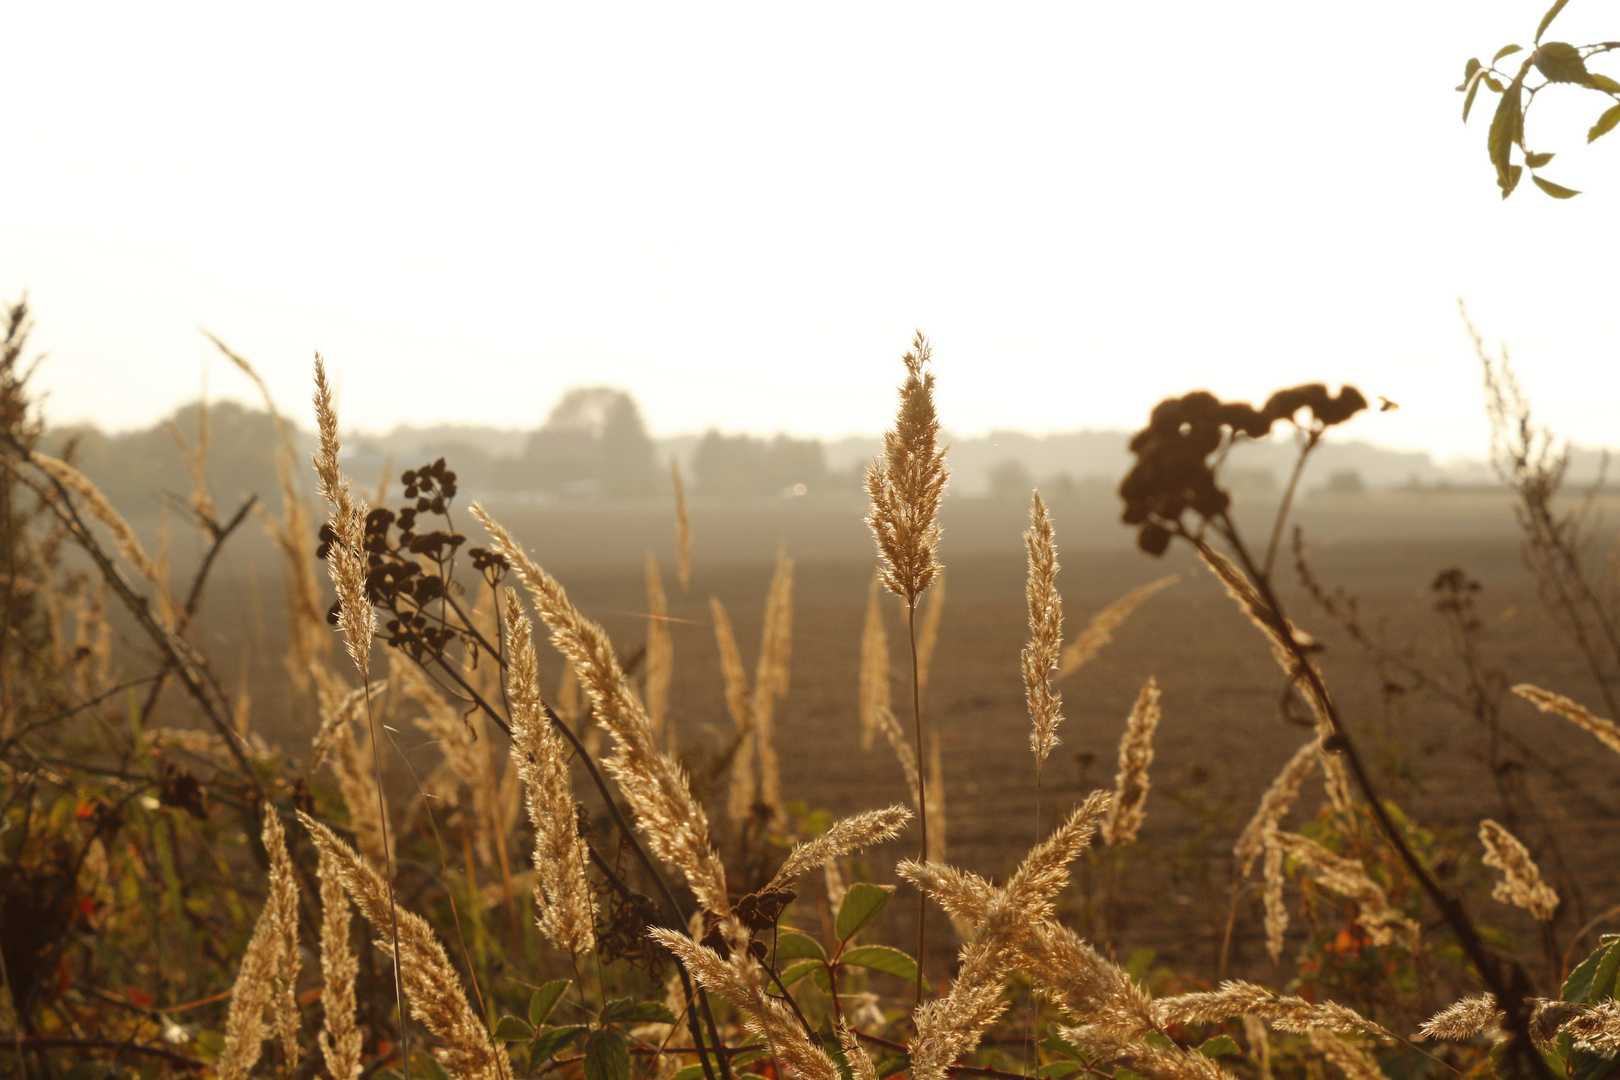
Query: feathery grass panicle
1147, 1060
1276, 910
1464, 1018
340, 1040
660, 649
1349, 1060
562, 892
431, 984
907, 483
262, 1002
771, 679
676, 827
952, 1025
1521, 883
928, 634
889, 724
94, 503
345, 558
1259, 1039
683, 530
860, 1066
1129, 808
848, 835
307, 625
1348, 877
1284, 1012
1605, 731
1274, 805
741, 792
737, 981
283, 901
934, 802
1040, 656
1101, 629
875, 695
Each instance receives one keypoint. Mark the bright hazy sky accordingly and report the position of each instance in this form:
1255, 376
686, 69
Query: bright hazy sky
741, 212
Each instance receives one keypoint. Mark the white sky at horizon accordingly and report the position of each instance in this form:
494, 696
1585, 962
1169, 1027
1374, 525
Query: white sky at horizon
741, 212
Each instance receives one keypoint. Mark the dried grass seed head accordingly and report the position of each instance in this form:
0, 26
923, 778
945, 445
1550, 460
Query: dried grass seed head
1521, 884
906, 485
1040, 656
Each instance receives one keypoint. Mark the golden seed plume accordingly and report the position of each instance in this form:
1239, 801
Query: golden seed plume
1349, 1060
737, 981
351, 764
1129, 807
935, 808
683, 530
952, 1025
740, 798
907, 483
846, 836
860, 1066
1521, 883
1595, 1027
562, 892
1604, 730
1348, 877
1276, 910
660, 649
1254, 1030
340, 1039
262, 1002
1040, 656
676, 827
1274, 805
1284, 1012
875, 691
345, 558
308, 639
431, 984
771, 679
928, 633
1464, 1018
1103, 624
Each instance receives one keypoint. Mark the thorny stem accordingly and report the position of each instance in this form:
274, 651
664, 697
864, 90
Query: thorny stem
922, 783
1510, 988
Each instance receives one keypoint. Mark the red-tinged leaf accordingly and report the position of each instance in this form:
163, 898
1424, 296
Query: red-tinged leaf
1605, 123
1557, 191
1546, 20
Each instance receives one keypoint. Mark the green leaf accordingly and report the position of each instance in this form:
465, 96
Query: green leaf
1506, 50
1593, 978
862, 903
792, 945
691, 1072
550, 1041
1058, 1045
545, 999
1504, 125
1470, 69
1605, 123
1557, 191
798, 971
1513, 180
1472, 86
898, 1063
1141, 959
607, 1057
1493, 82
882, 958
1220, 1044
511, 1029
1059, 1068
621, 1011
1604, 83
1561, 62
1546, 20
1536, 161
